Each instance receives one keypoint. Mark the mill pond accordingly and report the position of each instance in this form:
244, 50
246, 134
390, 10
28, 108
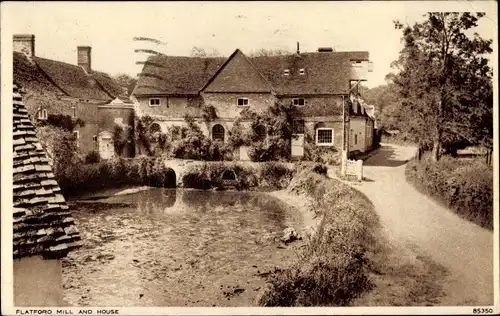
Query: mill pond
176, 247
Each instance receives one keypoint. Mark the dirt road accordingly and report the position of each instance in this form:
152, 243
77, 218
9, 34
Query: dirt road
425, 227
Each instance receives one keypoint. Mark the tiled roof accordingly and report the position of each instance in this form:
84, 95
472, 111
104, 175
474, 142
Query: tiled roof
325, 73
176, 75
72, 79
42, 223
30, 76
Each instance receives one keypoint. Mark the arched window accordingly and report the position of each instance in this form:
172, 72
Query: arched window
261, 132
42, 114
218, 132
154, 128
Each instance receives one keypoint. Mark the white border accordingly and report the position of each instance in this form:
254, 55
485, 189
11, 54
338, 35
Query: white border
6, 192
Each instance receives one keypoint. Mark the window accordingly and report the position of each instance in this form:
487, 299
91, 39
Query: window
355, 139
42, 114
74, 111
287, 72
154, 128
356, 63
218, 132
154, 102
302, 71
94, 138
298, 126
324, 137
299, 101
242, 101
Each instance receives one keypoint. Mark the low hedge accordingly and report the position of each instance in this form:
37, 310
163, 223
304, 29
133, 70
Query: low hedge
332, 270
210, 175
81, 178
465, 186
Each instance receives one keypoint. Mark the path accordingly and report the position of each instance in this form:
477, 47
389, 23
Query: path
422, 225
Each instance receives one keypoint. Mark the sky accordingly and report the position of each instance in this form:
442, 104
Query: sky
59, 27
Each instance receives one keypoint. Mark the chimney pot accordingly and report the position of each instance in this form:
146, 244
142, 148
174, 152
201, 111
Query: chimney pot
298, 48
24, 43
85, 57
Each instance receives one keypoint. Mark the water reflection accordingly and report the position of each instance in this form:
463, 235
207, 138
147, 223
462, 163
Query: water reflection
176, 247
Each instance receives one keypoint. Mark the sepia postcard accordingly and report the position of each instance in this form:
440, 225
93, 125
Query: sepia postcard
250, 157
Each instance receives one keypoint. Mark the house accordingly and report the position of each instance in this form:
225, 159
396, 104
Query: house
52, 87
43, 228
320, 84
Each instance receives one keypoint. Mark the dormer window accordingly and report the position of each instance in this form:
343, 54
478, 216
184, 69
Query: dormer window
287, 72
42, 114
302, 71
299, 101
356, 63
242, 102
154, 102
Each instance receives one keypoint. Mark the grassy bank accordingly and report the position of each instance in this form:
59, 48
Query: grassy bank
332, 270
463, 185
349, 261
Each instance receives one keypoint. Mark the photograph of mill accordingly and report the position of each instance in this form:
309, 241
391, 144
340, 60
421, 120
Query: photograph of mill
251, 154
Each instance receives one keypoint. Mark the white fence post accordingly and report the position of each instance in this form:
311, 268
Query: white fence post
359, 171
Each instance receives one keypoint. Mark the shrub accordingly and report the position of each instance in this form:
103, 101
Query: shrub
464, 186
276, 174
332, 270
79, 178
92, 157
209, 175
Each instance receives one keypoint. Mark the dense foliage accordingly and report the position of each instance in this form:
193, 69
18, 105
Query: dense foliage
444, 83
332, 270
462, 185
82, 178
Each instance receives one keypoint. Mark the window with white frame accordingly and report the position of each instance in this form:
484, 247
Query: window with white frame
302, 71
242, 102
74, 110
324, 136
286, 72
299, 101
154, 102
94, 138
42, 114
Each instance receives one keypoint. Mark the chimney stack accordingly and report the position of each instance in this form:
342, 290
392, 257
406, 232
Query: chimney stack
298, 48
84, 57
24, 43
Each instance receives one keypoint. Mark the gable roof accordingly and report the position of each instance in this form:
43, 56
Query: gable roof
237, 74
72, 79
176, 75
325, 73
42, 223
50, 76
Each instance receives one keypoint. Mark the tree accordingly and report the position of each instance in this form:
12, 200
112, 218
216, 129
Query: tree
269, 52
126, 81
444, 81
385, 100
200, 52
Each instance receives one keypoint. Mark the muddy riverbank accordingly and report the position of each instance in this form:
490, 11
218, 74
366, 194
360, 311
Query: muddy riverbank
163, 247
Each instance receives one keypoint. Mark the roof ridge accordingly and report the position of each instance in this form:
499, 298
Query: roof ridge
227, 62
